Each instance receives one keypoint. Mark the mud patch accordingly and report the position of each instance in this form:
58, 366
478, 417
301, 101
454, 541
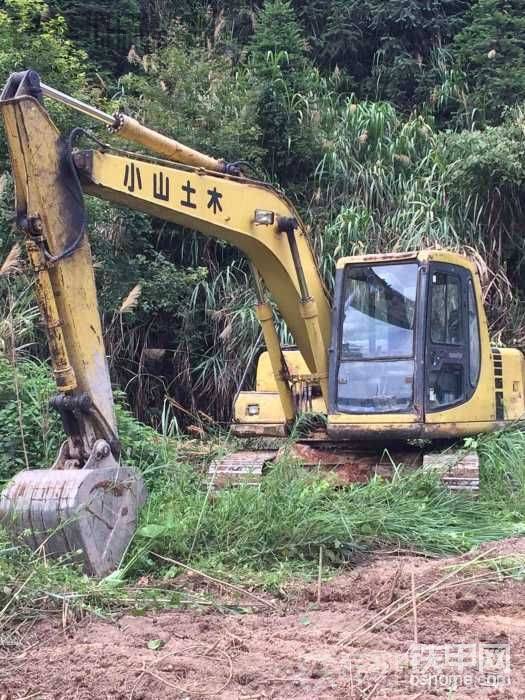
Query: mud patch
356, 643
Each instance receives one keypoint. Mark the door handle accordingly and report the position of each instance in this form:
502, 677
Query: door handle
435, 359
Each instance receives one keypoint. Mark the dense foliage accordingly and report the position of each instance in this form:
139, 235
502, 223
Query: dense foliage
391, 125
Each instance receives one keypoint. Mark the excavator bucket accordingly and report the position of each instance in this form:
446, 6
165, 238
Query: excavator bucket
85, 515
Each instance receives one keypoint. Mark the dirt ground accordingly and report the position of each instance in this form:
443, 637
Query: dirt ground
357, 643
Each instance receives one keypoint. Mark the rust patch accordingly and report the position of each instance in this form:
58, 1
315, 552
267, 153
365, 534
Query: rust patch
355, 464
108, 485
348, 467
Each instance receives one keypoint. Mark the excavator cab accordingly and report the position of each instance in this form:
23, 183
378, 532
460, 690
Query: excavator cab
410, 365
411, 354
410, 357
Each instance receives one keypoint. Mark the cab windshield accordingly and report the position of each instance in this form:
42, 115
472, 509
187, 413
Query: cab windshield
379, 311
376, 364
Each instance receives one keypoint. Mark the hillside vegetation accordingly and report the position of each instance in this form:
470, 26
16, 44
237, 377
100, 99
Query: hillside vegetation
390, 125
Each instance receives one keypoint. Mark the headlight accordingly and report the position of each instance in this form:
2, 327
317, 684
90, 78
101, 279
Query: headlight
266, 218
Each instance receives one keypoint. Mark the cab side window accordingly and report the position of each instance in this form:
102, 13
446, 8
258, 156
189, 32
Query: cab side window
446, 356
446, 326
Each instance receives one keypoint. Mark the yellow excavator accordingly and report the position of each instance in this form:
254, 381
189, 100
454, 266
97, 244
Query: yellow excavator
399, 356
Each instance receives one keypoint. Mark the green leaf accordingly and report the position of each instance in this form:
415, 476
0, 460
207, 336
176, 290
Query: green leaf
115, 578
152, 531
155, 644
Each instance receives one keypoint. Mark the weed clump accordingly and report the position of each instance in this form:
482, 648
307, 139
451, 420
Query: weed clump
293, 513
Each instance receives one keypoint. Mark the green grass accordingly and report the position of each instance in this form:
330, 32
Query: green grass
502, 458
282, 524
505, 566
32, 588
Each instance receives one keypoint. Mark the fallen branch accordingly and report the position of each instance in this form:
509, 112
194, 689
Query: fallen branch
146, 670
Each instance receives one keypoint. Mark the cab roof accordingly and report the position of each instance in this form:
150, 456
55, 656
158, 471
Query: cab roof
425, 255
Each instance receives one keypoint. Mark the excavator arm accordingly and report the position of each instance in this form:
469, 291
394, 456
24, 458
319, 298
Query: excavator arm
185, 187
197, 192
50, 213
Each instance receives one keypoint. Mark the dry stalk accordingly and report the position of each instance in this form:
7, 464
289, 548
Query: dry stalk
15, 374
320, 574
405, 602
414, 605
16, 593
205, 654
375, 687
427, 594
217, 581
131, 301
211, 484
11, 265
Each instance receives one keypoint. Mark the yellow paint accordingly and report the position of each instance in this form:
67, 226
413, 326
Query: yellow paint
412, 428
482, 406
265, 380
270, 409
189, 202
69, 295
268, 402
132, 130
277, 361
64, 374
427, 255
513, 383
476, 415
371, 418
266, 394
221, 207
217, 205
309, 312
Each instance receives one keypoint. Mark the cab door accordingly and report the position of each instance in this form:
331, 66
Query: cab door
447, 338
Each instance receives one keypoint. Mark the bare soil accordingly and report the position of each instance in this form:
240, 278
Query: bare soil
355, 644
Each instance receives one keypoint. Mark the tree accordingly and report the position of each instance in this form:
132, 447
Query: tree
278, 32
385, 46
491, 52
286, 83
30, 38
105, 29
186, 90
196, 95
